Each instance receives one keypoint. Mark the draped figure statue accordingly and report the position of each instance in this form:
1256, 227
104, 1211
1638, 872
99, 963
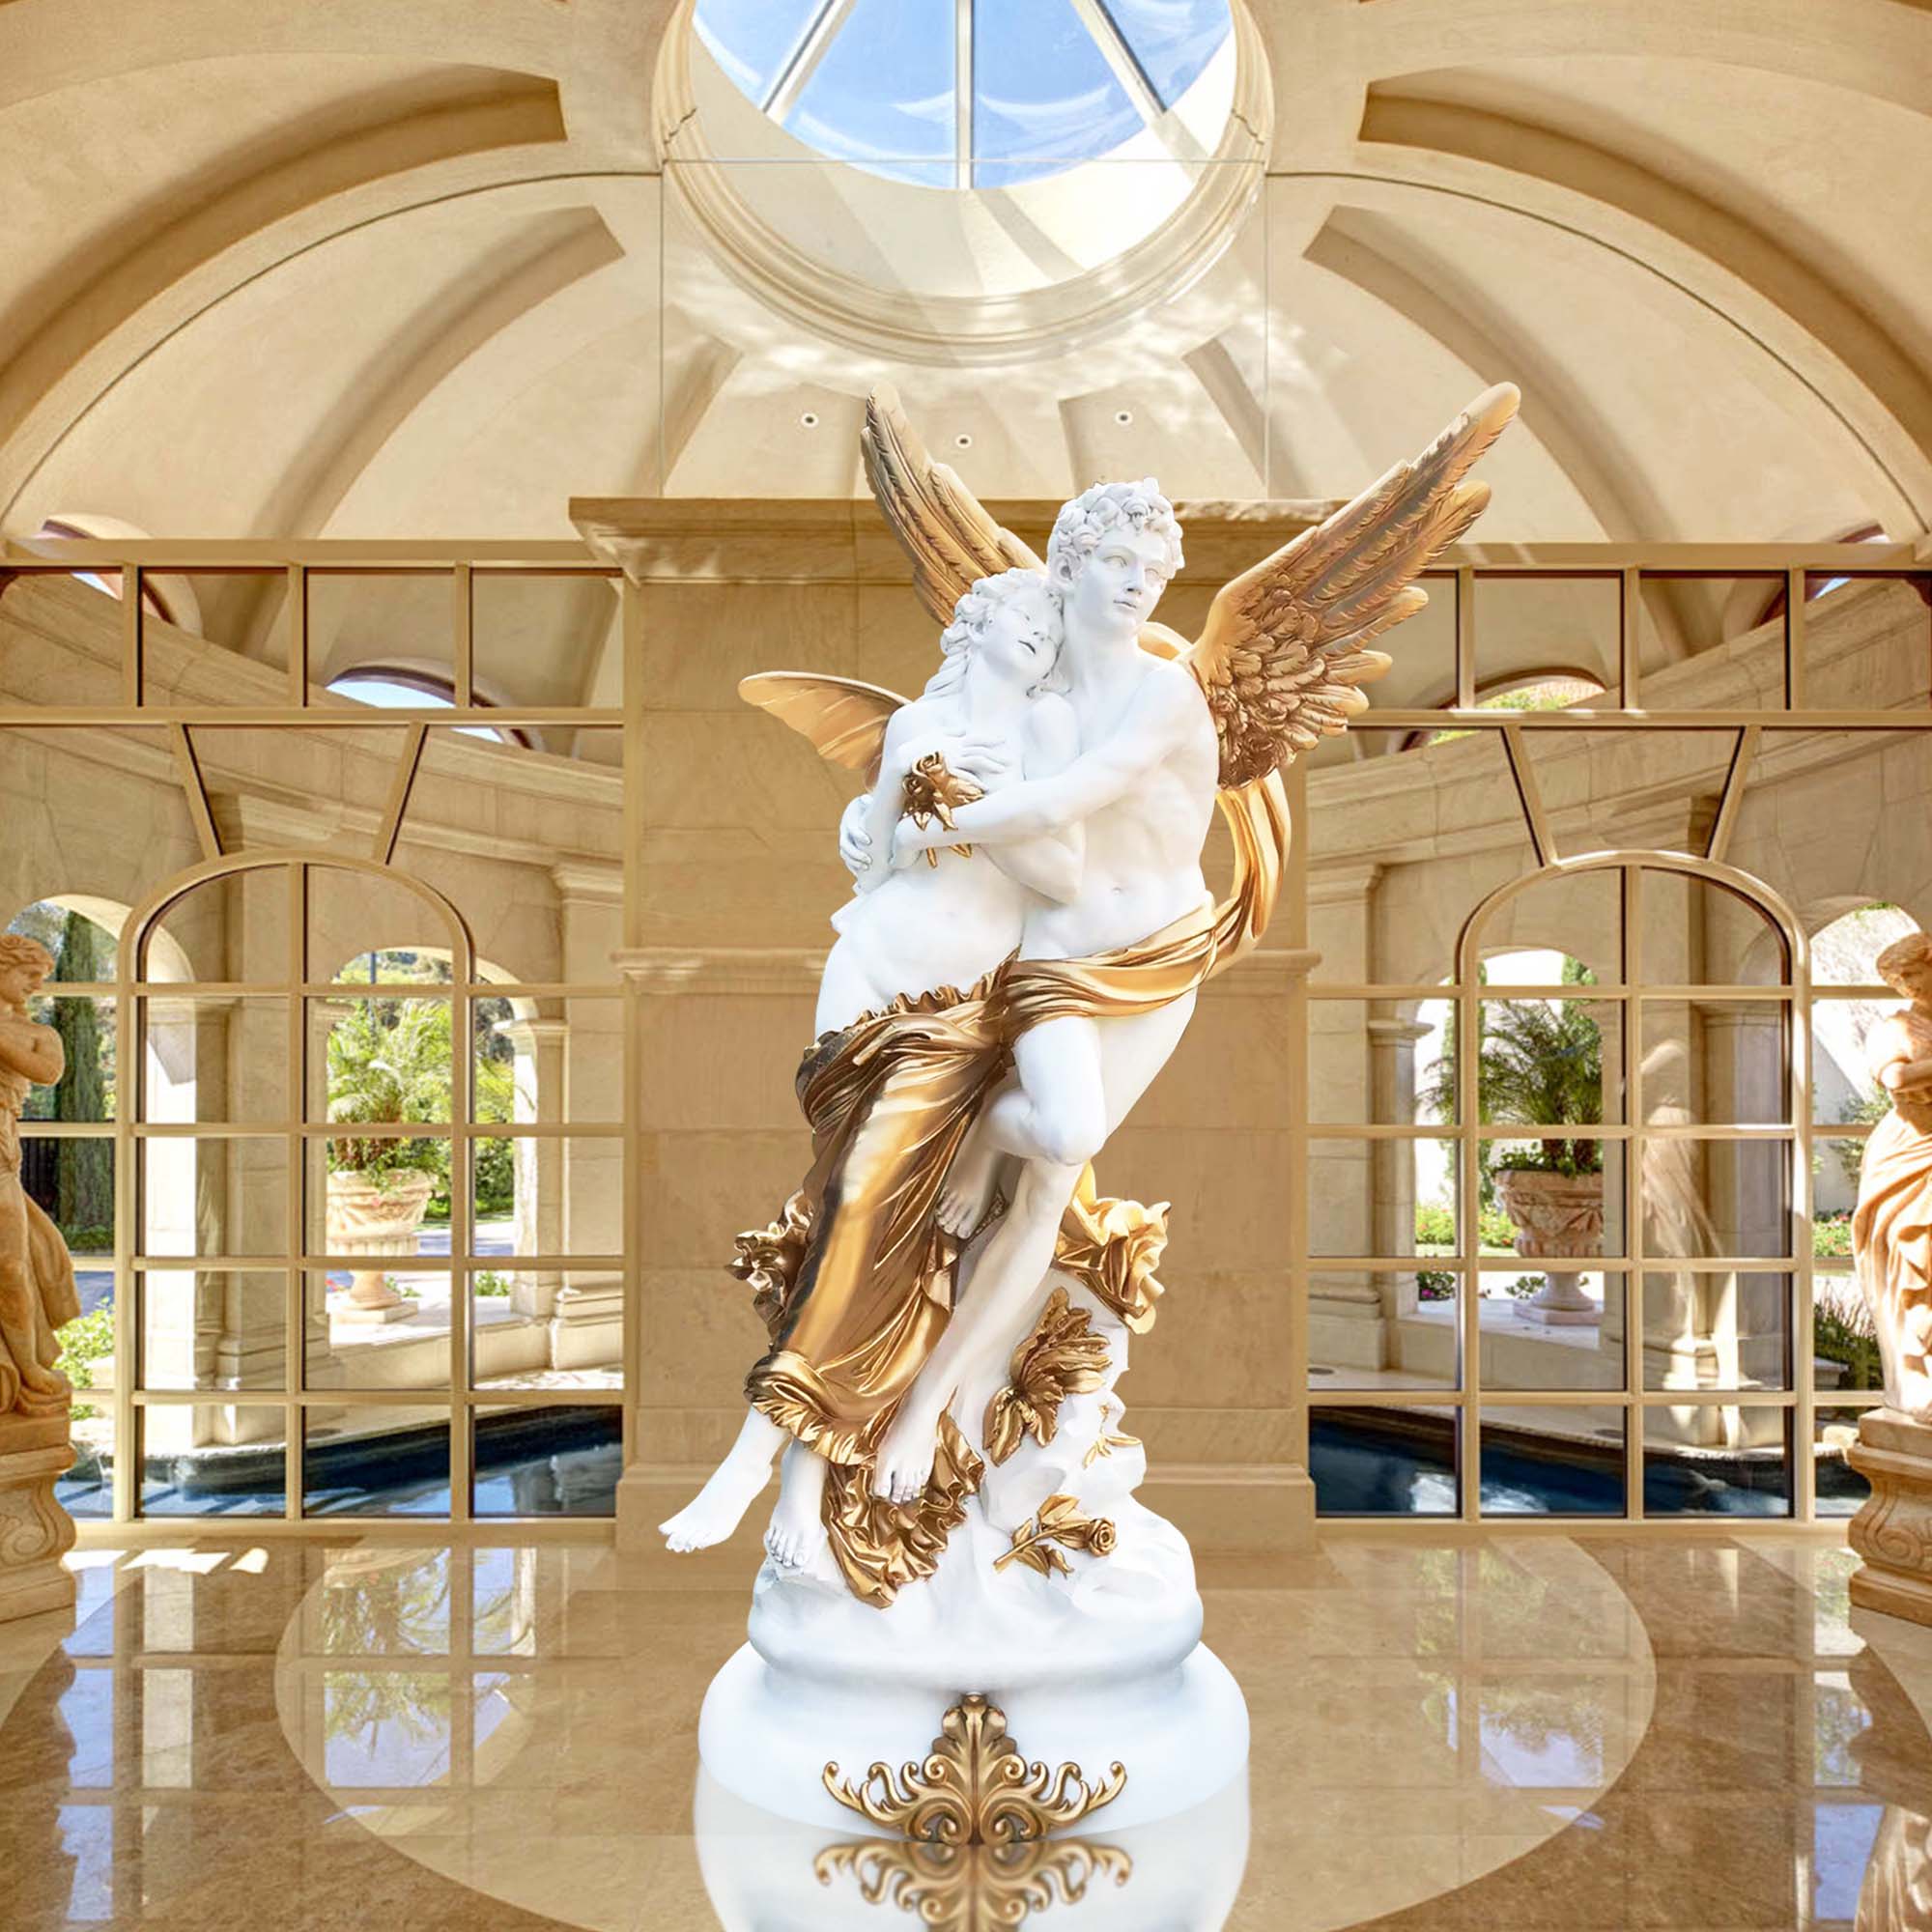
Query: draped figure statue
954, 1123
1891, 1226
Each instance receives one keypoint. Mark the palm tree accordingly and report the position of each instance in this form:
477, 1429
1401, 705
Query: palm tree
1541, 1062
386, 1068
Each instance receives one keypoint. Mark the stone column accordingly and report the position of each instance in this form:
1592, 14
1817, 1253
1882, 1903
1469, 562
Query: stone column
1893, 1531
34, 1531
539, 1045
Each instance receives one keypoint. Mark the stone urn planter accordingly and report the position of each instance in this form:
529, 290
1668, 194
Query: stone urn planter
1556, 1215
379, 1218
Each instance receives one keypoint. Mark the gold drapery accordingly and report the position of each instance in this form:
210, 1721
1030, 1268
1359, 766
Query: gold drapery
1891, 1225
855, 1279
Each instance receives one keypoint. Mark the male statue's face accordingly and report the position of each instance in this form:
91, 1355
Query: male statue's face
19, 983
1119, 584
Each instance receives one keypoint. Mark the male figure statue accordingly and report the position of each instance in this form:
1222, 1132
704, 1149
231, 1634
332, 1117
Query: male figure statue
1144, 789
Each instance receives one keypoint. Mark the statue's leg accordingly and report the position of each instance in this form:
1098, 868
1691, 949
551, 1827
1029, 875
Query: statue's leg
21, 1318
718, 1507
797, 1531
1076, 1073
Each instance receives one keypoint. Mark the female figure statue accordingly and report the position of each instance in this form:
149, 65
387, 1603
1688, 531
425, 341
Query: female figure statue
36, 1289
1892, 1227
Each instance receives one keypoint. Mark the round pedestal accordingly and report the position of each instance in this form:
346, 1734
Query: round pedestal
766, 1735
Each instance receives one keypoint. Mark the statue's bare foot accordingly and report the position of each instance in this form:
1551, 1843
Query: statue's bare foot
904, 1464
797, 1531
719, 1506
966, 1196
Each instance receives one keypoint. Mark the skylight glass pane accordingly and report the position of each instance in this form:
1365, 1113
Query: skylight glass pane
1173, 40
882, 95
750, 38
1043, 93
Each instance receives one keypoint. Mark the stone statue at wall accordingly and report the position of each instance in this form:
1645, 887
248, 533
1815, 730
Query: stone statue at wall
36, 1289
1891, 1226
36, 1298
948, 1296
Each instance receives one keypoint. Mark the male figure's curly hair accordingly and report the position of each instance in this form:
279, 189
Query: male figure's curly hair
1096, 513
17, 950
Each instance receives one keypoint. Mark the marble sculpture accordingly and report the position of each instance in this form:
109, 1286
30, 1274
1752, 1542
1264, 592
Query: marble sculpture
949, 1297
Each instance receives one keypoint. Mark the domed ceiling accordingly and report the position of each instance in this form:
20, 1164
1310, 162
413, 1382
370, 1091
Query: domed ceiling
362, 269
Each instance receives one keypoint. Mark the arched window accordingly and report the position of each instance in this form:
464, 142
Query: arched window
393, 689
167, 596
1816, 587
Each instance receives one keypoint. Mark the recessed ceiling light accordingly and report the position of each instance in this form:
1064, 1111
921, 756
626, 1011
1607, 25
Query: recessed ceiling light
809, 420
1124, 417
962, 441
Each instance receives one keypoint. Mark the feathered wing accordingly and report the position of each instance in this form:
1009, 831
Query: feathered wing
844, 719
942, 526
1283, 654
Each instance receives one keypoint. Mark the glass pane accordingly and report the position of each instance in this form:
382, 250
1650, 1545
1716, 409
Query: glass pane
1716, 1197
377, 1462
1383, 1462
566, 1065
214, 638
1698, 933
1172, 40
374, 625
1547, 643
1538, 1208
1844, 1337
1042, 90
1547, 1063
378, 1600
882, 95
363, 928
61, 636
376, 1330
1719, 1063
543, 1328
1381, 1330
71, 1180
1840, 1491
548, 1462
216, 1197
235, 927
218, 1459
1703, 1331
86, 1088
216, 1059
1552, 1461
1549, 1328
380, 1195
549, 1195
204, 1331
1376, 1062
87, 1361
1868, 643
549, 638
1845, 953
1843, 1090
1706, 1461
751, 39
381, 1062
1706, 643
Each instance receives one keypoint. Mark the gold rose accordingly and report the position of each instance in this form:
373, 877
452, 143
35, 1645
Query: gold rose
1063, 1356
1057, 1522
933, 791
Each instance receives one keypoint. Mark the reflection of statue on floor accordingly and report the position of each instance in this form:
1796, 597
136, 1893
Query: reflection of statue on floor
36, 1288
1891, 1226
1012, 1025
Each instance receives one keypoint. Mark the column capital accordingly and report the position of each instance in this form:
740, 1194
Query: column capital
532, 1033
1397, 1033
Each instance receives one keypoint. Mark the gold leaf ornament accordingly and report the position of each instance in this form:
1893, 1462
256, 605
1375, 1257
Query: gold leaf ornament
1063, 1356
974, 1787
767, 1260
933, 790
1112, 1248
1055, 1526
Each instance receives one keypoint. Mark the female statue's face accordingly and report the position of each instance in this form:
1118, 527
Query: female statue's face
1021, 639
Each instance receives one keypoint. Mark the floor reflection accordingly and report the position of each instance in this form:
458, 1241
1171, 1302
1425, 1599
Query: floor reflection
1524, 1732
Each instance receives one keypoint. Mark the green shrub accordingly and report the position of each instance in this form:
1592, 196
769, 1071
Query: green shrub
83, 1342
1832, 1237
492, 1285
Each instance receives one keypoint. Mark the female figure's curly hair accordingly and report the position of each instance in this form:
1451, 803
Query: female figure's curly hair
17, 950
971, 615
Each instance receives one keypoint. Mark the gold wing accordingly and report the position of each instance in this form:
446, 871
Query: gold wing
942, 526
1283, 657
844, 719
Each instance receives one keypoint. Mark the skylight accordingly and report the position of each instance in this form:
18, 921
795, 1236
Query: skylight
962, 94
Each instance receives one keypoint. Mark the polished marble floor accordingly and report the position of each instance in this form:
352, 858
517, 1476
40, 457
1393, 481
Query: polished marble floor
1524, 1731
